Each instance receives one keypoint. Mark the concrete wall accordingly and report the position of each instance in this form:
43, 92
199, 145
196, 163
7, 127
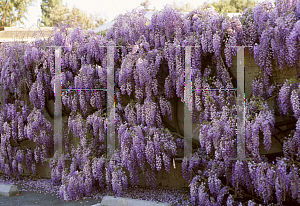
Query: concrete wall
173, 179
252, 70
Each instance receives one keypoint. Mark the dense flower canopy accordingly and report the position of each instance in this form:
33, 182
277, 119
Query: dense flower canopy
149, 79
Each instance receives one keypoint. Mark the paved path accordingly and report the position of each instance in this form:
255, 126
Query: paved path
39, 191
34, 198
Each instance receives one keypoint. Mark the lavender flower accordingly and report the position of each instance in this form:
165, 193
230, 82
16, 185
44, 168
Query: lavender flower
14, 166
194, 189
7, 169
72, 188
214, 184
217, 44
20, 168
283, 98
158, 162
230, 200
150, 178
33, 169
20, 156
295, 100
150, 154
124, 180
29, 159
167, 161
185, 172
202, 195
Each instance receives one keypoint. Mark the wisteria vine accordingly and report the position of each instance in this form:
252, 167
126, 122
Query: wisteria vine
149, 79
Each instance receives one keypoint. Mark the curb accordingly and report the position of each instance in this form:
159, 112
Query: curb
8, 190
119, 201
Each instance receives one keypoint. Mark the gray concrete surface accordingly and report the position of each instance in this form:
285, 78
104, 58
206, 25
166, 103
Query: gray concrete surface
8, 190
119, 201
40, 199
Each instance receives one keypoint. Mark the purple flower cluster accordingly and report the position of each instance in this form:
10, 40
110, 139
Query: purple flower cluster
295, 101
165, 107
185, 171
143, 142
258, 87
214, 184
29, 159
283, 98
150, 154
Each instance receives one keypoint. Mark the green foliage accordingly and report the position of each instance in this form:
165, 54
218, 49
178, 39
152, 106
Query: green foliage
60, 14
12, 12
233, 6
184, 8
146, 5
103, 33
47, 8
